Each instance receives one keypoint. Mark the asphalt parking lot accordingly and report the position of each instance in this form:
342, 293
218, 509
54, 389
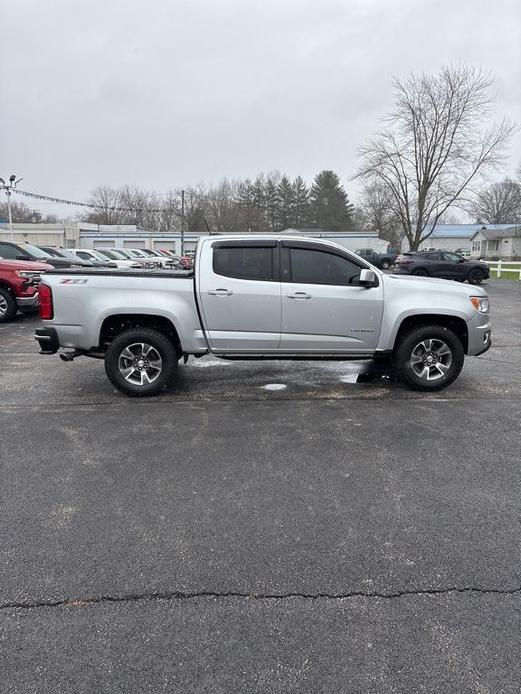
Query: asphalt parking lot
262, 527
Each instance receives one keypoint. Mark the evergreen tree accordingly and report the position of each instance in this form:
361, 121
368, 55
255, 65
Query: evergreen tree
270, 199
248, 214
284, 204
300, 211
259, 192
330, 208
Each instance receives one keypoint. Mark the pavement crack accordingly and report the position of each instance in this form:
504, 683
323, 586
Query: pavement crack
179, 596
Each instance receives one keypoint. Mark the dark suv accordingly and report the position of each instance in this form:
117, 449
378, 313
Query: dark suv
26, 251
442, 264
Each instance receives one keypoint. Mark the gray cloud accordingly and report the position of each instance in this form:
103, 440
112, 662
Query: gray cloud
161, 94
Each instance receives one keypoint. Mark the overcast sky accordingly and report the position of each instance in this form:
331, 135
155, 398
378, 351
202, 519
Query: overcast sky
165, 93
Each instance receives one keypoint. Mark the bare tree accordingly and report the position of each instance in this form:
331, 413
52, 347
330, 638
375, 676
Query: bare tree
378, 213
223, 205
22, 214
499, 203
436, 143
106, 199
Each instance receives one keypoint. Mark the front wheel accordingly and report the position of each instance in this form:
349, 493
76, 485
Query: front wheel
141, 362
429, 358
385, 264
7, 306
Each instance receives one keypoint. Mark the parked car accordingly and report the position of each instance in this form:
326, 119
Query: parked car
177, 262
263, 297
159, 258
26, 251
62, 253
113, 257
92, 256
381, 260
142, 258
442, 264
19, 282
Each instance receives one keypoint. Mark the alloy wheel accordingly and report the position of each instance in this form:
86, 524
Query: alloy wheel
3, 306
140, 363
431, 359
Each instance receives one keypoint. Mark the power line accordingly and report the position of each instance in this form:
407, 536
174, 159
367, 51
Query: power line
105, 208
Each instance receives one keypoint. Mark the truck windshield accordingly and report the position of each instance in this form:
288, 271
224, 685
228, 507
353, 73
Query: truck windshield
35, 251
108, 254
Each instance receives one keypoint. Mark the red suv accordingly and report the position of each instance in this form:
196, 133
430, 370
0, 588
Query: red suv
19, 282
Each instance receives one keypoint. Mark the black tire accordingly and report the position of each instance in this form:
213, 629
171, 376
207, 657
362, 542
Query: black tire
407, 351
386, 264
420, 272
475, 276
166, 365
7, 306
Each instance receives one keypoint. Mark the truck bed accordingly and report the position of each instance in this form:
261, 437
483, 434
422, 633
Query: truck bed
115, 272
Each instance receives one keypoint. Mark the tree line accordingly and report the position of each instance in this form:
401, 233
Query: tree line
431, 161
268, 202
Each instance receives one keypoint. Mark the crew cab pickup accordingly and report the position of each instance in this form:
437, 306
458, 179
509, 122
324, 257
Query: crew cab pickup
19, 282
381, 260
262, 297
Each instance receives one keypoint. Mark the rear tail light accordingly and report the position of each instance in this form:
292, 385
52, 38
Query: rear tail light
45, 305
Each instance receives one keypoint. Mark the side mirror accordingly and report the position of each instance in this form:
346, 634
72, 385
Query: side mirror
368, 278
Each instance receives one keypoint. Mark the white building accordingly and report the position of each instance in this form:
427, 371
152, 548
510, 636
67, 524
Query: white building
456, 237
130, 236
59, 235
495, 243
87, 235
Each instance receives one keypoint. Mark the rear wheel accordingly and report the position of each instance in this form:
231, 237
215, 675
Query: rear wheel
429, 358
385, 264
7, 306
141, 362
475, 277
420, 272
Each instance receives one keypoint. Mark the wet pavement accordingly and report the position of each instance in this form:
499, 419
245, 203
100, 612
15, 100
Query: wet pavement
262, 527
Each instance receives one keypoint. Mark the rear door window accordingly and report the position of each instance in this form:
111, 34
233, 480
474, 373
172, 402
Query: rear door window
244, 262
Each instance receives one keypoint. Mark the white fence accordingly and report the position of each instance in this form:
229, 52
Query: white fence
505, 268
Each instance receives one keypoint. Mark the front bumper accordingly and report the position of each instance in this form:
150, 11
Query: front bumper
479, 335
485, 349
27, 302
47, 338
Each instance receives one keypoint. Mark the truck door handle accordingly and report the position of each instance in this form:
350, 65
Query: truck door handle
299, 295
220, 292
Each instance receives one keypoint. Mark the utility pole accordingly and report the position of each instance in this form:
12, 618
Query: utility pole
8, 187
182, 222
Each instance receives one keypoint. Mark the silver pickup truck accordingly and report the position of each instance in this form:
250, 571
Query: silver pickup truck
262, 297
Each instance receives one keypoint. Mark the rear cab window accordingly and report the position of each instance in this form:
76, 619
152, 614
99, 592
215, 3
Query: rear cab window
245, 262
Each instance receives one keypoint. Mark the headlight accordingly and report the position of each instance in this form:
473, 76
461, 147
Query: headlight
480, 303
28, 274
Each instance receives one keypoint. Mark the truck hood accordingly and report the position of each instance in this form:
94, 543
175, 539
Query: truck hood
24, 265
435, 284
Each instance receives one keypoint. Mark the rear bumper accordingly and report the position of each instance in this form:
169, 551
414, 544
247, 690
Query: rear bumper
47, 338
